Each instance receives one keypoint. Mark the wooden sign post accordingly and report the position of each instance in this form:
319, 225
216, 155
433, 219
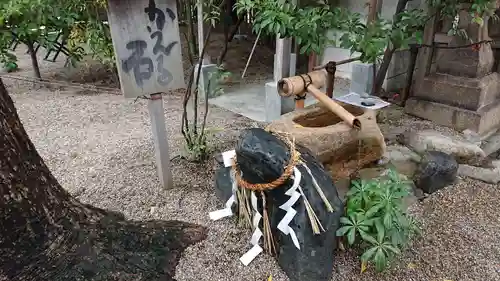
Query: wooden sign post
147, 47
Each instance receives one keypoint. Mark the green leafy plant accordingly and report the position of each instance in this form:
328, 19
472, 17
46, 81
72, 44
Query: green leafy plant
376, 220
199, 145
309, 26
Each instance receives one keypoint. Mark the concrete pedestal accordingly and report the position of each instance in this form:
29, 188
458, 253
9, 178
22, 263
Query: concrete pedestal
361, 78
275, 104
206, 72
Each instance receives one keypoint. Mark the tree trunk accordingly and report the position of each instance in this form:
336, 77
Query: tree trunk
227, 19
191, 37
45, 234
382, 71
389, 51
228, 40
34, 59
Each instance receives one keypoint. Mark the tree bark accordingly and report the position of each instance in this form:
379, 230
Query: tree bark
228, 40
191, 37
227, 20
388, 53
34, 59
45, 234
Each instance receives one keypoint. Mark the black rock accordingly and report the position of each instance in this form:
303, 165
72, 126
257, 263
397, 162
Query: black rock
219, 160
262, 158
436, 170
223, 184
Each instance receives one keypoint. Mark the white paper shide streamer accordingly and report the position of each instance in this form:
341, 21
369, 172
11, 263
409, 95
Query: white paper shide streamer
283, 225
227, 211
249, 256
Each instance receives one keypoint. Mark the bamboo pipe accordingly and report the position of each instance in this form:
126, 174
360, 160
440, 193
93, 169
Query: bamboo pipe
335, 107
297, 85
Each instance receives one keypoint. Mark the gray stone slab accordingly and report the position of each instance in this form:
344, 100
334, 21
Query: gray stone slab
362, 78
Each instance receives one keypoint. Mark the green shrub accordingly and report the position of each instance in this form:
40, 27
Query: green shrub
376, 220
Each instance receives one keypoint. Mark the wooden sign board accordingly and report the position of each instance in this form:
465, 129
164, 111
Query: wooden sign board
147, 46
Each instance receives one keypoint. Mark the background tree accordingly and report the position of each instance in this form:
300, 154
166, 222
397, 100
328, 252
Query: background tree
309, 23
193, 128
30, 22
45, 234
33, 22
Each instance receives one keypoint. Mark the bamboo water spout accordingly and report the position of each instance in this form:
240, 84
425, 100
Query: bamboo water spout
311, 82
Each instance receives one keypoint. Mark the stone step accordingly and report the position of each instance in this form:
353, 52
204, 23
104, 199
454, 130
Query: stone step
466, 62
462, 92
481, 121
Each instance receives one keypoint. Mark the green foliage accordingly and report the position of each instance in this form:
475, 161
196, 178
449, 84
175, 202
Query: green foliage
309, 26
478, 9
38, 21
211, 11
215, 79
89, 33
198, 142
376, 220
201, 145
11, 66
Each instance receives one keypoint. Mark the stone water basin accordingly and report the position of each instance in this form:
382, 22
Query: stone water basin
342, 149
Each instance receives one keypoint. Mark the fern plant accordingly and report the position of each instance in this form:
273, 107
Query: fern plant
376, 220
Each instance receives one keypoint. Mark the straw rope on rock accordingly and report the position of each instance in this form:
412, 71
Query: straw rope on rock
297, 210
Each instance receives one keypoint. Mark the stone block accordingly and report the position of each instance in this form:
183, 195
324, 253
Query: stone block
275, 104
464, 151
481, 121
206, 71
292, 64
466, 62
342, 149
362, 78
463, 92
488, 175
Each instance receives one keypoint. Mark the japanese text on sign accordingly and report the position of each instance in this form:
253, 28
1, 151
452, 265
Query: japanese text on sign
148, 49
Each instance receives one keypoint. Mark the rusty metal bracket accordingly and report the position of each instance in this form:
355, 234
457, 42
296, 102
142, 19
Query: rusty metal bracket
331, 69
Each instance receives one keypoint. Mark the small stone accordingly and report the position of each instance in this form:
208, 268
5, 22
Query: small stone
389, 114
478, 173
399, 153
409, 200
153, 210
407, 168
472, 137
218, 159
391, 135
492, 144
371, 173
429, 140
436, 171
418, 193
343, 186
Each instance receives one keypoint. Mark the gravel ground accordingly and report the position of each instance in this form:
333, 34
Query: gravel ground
99, 147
